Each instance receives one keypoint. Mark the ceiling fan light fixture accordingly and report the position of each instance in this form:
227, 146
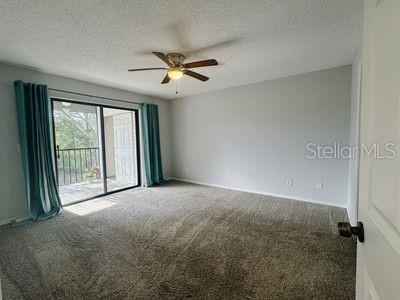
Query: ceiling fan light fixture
175, 73
176, 68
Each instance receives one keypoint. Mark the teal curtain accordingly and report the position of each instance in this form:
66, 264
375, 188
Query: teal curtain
151, 144
35, 129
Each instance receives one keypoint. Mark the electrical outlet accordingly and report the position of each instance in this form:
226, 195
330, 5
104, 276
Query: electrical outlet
320, 185
289, 182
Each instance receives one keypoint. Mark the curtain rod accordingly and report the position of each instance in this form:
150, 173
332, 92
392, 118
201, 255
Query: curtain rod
93, 96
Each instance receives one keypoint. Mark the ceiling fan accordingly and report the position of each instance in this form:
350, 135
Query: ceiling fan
176, 68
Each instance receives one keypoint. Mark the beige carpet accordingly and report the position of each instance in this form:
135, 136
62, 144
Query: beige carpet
181, 241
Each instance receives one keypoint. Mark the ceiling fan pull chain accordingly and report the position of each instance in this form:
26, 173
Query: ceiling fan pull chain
176, 86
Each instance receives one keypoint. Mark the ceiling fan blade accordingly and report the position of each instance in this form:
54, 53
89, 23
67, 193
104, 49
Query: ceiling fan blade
146, 69
164, 58
196, 75
201, 63
166, 79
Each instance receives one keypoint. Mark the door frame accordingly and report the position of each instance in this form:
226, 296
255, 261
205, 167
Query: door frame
135, 111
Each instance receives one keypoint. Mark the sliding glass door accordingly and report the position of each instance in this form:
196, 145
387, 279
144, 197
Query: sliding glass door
97, 149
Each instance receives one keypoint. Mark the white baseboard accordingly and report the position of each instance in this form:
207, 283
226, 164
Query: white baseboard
9, 220
261, 192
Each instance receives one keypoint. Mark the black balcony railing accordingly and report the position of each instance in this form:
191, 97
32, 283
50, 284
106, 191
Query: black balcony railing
78, 165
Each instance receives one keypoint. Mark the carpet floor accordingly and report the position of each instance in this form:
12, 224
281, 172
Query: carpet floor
181, 241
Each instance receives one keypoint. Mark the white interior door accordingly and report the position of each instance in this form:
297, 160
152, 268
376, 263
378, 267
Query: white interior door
124, 148
378, 258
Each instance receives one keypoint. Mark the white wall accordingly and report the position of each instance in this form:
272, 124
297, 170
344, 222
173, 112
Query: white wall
253, 137
12, 192
352, 201
110, 145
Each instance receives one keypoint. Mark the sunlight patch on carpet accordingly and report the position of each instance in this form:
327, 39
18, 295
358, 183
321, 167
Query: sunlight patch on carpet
87, 207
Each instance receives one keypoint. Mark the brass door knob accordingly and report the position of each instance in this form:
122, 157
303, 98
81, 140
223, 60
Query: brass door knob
346, 230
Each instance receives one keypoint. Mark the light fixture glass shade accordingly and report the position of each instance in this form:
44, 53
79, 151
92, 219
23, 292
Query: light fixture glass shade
175, 73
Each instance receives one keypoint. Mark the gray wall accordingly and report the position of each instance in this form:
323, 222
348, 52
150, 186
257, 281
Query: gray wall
12, 193
253, 137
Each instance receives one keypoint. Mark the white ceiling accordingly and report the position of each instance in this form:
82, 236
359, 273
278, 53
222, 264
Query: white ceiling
97, 41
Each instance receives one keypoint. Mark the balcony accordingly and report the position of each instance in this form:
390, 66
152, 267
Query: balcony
77, 165
79, 175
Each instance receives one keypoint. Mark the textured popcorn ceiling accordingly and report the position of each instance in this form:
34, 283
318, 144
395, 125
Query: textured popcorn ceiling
97, 41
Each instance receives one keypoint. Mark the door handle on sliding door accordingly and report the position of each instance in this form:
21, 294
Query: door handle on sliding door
58, 151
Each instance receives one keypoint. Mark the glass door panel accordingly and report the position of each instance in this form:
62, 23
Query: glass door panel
78, 150
120, 140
